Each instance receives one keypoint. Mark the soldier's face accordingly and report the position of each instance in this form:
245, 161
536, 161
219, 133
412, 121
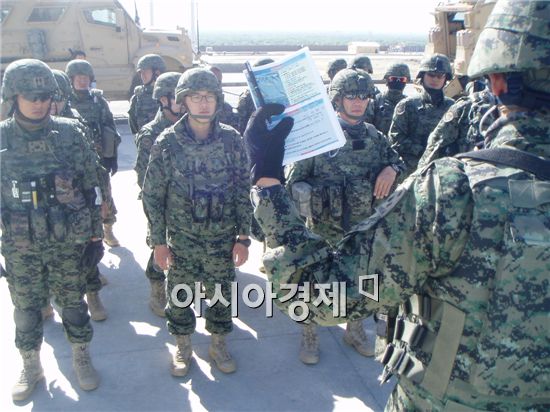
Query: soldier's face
201, 105
34, 109
81, 82
146, 75
434, 80
353, 110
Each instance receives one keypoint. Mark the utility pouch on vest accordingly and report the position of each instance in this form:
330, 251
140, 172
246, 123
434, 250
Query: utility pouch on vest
39, 225
65, 192
109, 142
19, 231
57, 223
80, 225
336, 201
201, 206
217, 202
301, 194
319, 200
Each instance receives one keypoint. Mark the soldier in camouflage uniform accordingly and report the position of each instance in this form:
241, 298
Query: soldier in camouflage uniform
93, 107
362, 62
50, 220
227, 114
397, 76
195, 196
245, 107
415, 117
459, 129
334, 66
61, 107
168, 113
463, 245
344, 183
143, 107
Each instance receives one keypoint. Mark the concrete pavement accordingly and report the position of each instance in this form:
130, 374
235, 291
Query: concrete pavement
132, 348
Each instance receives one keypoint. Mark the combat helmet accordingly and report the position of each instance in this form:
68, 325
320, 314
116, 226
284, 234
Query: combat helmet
27, 77
516, 38
79, 67
436, 63
398, 70
63, 83
362, 62
151, 61
198, 79
263, 62
165, 85
335, 66
349, 81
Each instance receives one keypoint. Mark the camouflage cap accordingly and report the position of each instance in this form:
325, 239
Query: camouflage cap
362, 62
516, 38
63, 83
436, 63
165, 85
79, 67
334, 66
399, 70
151, 61
27, 77
198, 79
349, 81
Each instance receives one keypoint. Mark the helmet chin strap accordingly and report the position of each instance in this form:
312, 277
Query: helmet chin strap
343, 110
169, 108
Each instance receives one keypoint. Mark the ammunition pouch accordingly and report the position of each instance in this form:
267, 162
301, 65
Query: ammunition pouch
109, 142
200, 206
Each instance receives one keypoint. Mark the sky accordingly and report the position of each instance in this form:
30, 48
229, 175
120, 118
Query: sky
377, 16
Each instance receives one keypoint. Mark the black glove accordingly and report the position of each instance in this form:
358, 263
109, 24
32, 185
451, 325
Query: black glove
111, 164
266, 148
93, 253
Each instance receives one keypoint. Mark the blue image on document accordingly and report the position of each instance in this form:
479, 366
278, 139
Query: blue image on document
272, 88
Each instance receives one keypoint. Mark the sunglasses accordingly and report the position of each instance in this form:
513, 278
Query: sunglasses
402, 79
360, 96
38, 97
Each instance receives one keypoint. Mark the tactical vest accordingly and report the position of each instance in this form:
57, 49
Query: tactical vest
200, 199
43, 199
383, 110
464, 349
146, 106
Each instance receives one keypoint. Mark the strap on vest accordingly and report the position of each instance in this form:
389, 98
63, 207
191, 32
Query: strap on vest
513, 158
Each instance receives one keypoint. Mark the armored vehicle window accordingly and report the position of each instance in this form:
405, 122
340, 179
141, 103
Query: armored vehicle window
101, 16
4, 13
43, 14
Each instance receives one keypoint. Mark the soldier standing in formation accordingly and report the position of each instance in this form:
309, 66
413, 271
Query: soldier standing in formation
195, 195
93, 107
168, 113
344, 183
415, 117
143, 107
51, 222
462, 245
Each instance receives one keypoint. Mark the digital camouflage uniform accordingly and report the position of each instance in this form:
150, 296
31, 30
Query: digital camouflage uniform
143, 107
458, 130
463, 246
195, 196
49, 213
415, 117
229, 117
93, 107
384, 103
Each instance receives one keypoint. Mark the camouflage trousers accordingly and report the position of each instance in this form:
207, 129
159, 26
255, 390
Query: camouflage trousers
93, 283
36, 273
151, 271
197, 265
108, 208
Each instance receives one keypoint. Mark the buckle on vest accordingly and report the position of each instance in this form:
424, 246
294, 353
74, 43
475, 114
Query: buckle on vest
409, 332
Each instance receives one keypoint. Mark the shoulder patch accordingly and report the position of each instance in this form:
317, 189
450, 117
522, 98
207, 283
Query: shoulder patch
448, 116
400, 109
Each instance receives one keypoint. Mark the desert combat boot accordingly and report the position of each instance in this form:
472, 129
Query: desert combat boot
182, 358
31, 374
87, 376
355, 337
219, 354
95, 306
309, 346
109, 236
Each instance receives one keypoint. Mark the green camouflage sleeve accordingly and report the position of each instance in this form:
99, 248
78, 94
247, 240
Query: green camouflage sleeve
132, 119
419, 232
387, 154
399, 134
300, 171
144, 142
155, 187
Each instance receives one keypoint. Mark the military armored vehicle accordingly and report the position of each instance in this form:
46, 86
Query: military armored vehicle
457, 28
54, 30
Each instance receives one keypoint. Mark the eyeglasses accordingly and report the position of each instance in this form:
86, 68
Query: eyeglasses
198, 98
44, 97
402, 79
436, 75
360, 96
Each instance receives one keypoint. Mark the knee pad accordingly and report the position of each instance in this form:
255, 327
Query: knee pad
27, 320
76, 316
